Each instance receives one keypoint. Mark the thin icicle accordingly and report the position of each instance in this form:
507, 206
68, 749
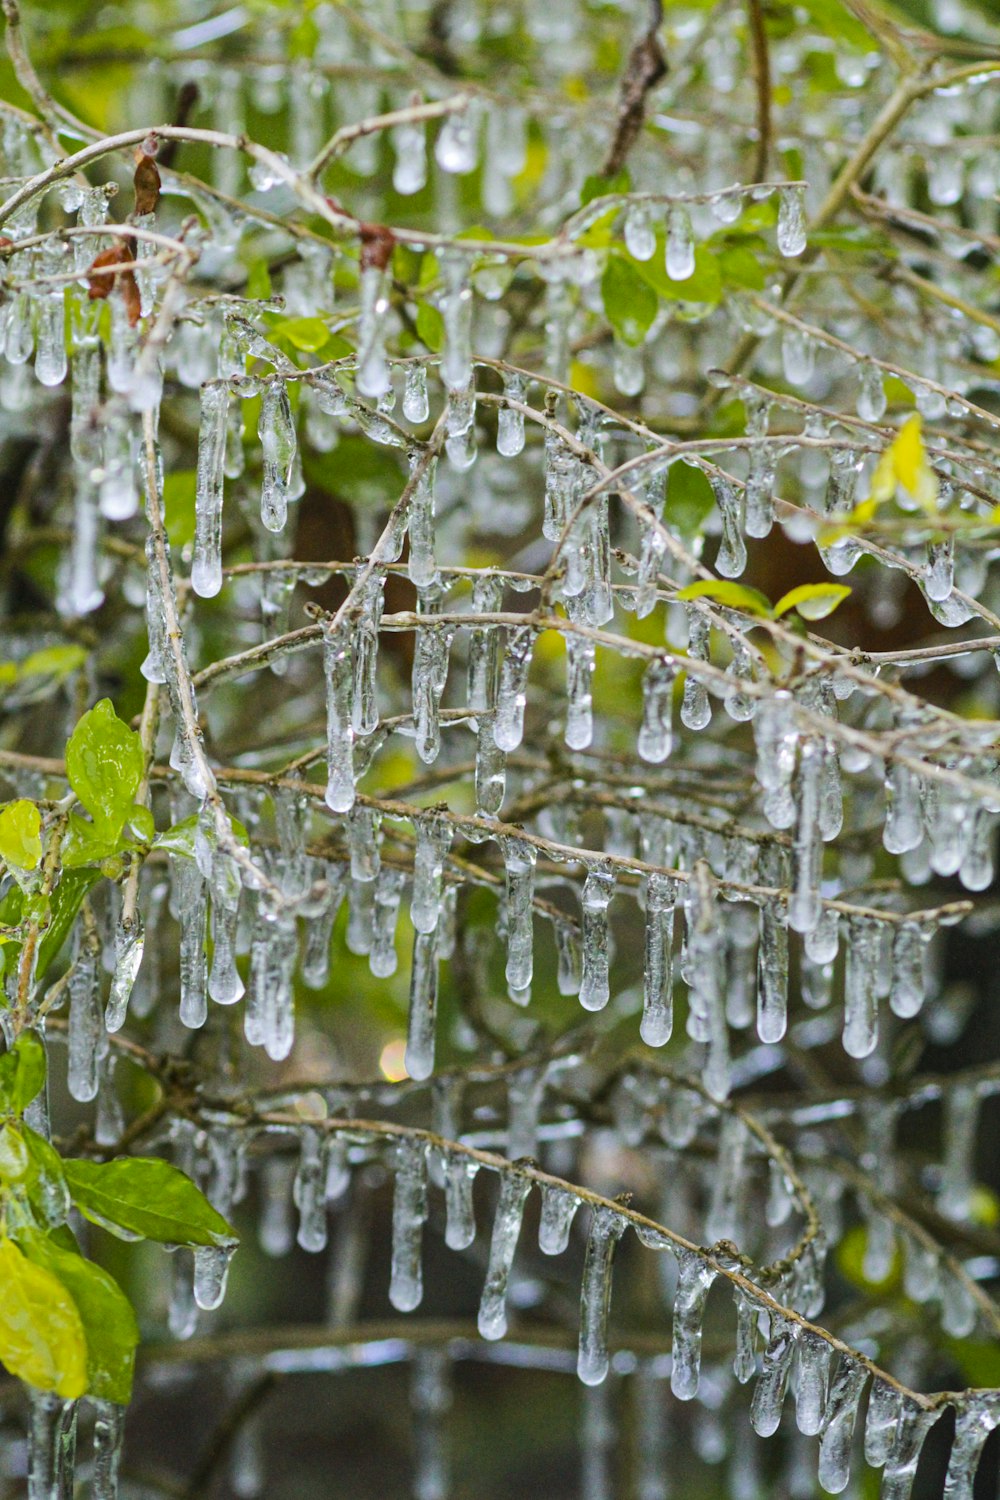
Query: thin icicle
382, 958
206, 565
807, 845
409, 1214
487, 595
372, 377
422, 568
508, 725
519, 863
772, 971
598, 889
514, 1189
556, 1220
460, 1223
338, 671
657, 1021
309, 1188
430, 852
656, 732
51, 1446
420, 1035
87, 1040
745, 1359
109, 1432
732, 555
128, 956
606, 1229
860, 996
510, 421
885, 1404
276, 430
696, 708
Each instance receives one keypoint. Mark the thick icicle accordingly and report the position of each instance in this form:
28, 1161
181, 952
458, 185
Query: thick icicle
409, 1213
598, 889
460, 1222
87, 1041
791, 235
961, 1115
128, 956
680, 245
514, 1189
276, 430
211, 1269
696, 708
885, 1404
421, 567
975, 1419
51, 1447
839, 1418
309, 1188
487, 595
382, 957
606, 1229
745, 1358
510, 421
904, 1454
693, 1283
731, 558
508, 724
556, 1220
206, 566
769, 1392
811, 1376
656, 732
372, 377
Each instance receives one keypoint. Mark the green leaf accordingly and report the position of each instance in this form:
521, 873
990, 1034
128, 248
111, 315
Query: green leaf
110, 1330
430, 326
308, 334
814, 601
180, 838
21, 835
739, 266
22, 1072
104, 763
689, 498
733, 595
258, 285
598, 186
703, 285
41, 1333
56, 662
14, 1159
148, 1199
629, 302
46, 1185
89, 843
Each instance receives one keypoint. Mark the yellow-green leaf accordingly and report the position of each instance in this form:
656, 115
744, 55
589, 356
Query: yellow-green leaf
104, 764
904, 465
41, 1333
813, 601
733, 595
147, 1198
20, 835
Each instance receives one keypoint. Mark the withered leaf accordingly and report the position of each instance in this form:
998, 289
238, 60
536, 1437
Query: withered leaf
146, 183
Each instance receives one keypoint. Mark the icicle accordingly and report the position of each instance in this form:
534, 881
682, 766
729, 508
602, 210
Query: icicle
510, 422
871, 401
87, 1039
772, 958
939, 576
519, 862
416, 406
657, 1002
732, 555
812, 1373
563, 483
457, 146
885, 1405
276, 430
656, 732
460, 1224
431, 849
525, 1092
640, 236
206, 567
51, 1447
409, 1214
745, 1359
487, 596
598, 890
791, 235
568, 956
839, 1418
430, 673
581, 658
363, 838
904, 1455
193, 968
693, 1283
904, 824
491, 764
372, 379
776, 738
211, 1269
807, 846
769, 1392
909, 940
419, 1056
338, 670
409, 172
514, 1189
382, 958
319, 929
456, 316
109, 1432
706, 1015
309, 1188
958, 1134
975, 1419
758, 493
128, 956
422, 568
556, 1220
364, 702
606, 1229
508, 725
460, 428
739, 704
680, 259
696, 709
860, 1000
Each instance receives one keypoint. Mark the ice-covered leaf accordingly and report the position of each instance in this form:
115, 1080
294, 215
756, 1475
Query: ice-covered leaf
22, 1072
41, 1333
148, 1198
20, 835
629, 301
104, 764
733, 595
813, 601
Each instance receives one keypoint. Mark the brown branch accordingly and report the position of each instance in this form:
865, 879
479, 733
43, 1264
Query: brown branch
645, 67
762, 76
